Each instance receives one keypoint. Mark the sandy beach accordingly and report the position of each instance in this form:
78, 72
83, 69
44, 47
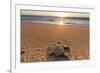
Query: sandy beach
36, 38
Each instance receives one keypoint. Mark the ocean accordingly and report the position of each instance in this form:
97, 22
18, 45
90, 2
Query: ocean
55, 20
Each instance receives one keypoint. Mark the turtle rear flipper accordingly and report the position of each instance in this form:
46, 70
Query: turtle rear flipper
49, 51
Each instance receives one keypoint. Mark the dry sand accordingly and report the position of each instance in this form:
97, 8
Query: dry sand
35, 39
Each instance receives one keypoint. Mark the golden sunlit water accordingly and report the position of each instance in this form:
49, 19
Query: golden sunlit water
61, 23
61, 15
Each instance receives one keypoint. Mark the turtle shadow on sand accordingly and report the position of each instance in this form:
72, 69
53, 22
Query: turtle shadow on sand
58, 52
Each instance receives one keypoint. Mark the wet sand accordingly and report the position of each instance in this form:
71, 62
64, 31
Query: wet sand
36, 38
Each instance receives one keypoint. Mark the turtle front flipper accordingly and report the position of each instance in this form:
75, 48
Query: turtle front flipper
67, 52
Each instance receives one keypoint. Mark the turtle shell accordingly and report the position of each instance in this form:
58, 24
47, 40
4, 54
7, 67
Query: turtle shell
58, 50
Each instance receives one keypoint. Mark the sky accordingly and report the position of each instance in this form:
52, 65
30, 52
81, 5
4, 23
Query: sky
58, 14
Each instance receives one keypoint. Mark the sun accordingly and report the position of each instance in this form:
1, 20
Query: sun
61, 15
